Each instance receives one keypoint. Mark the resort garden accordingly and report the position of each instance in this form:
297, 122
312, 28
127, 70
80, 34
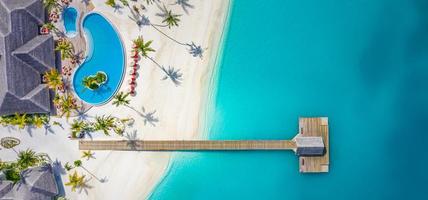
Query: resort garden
67, 105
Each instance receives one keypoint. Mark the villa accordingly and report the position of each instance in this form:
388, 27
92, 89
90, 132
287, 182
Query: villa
39, 183
24, 57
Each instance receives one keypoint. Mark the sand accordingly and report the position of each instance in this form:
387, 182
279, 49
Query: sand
180, 109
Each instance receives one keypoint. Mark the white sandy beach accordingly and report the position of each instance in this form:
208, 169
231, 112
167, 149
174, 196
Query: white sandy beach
180, 109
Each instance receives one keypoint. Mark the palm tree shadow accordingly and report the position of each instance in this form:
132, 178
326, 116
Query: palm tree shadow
185, 5
173, 74
104, 180
82, 115
132, 139
149, 117
48, 129
79, 56
196, 50
85, 186
118, 8
29, 130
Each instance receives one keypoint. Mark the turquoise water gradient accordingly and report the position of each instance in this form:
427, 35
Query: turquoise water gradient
105, 54
69, 17
362, 63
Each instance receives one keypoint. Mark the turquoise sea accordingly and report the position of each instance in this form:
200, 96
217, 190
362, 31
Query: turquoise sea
362, 63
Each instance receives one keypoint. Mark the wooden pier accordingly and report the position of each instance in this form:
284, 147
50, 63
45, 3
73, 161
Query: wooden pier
188, 145
311, 158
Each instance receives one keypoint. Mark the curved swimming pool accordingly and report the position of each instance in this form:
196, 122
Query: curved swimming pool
104, 53
69, 17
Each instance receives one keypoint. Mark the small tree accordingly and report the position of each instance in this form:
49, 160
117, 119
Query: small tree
76, 181
88, 155
53, 79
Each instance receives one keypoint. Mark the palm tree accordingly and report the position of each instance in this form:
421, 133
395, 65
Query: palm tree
68, 166
65, 47
121, 99
76, 181
142, 20
79, 163
27, 158
51, 4
78, 127
88, 155
38, 121
104, 123
144, 48
20, 120
53, 79
111, 3
170, 19
67, 104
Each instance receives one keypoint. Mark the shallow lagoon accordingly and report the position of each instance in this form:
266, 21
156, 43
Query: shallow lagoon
364, 64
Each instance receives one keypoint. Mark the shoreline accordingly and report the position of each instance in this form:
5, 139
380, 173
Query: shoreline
152, 92
210, 97
208, 101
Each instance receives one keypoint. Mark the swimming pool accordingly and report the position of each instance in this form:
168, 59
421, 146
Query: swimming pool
105, 53
69, 17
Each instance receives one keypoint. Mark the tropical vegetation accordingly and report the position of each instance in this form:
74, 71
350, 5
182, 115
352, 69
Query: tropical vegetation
25, 159
169, 18
51, 4
121, 99
66, 48
66, 104
94, 82
104, 124
76, 181
88, 155
79, 128
53, 79
25, 120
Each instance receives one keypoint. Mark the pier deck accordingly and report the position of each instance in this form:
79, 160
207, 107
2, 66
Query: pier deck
318, 127
308, 127
188, 145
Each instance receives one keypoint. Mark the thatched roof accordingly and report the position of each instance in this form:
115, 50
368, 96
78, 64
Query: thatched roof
36, 183
24, 57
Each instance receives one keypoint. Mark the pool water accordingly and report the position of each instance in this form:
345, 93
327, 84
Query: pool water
105, 54
363, 64
69, 17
